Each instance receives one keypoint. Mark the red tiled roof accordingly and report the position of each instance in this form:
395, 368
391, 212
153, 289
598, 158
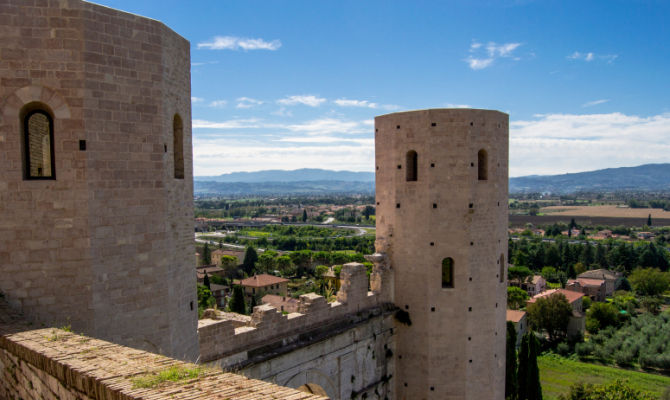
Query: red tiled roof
515, 315
572, 296
262, 280
590, 282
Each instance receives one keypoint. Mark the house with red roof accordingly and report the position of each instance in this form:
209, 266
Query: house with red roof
259, 285
577, 323
594, 288
520, 323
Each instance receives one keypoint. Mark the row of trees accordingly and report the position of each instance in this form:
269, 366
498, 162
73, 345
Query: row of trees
361, 244
569, 257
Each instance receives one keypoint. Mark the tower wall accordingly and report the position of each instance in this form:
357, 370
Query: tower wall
107, 245
455, 345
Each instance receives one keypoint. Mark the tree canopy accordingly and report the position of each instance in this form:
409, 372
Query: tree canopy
550, 314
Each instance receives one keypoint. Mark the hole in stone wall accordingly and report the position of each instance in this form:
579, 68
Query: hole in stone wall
432, 389
82, 145
472, 124
432, 309
472, 164
471, 205
164, 148
399, 166
472, 243
433, 124
432, 165
406, 307
469, 338
397, 205
191, 306
405, 384
397, 126
432, 243
434, 205
470, 279
470, 361
377, 203
469, 308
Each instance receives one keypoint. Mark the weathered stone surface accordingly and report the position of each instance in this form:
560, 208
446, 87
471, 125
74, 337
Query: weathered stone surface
107, 246
455, 345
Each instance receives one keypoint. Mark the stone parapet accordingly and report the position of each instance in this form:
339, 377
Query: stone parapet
225, 338
55, 364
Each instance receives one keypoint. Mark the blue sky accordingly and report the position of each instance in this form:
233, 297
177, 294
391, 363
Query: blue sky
296, 84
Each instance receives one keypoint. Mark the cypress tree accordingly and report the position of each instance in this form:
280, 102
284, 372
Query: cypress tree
535, 387
510, 370
205, 281
250, 258
237, 304
649, 220
522, 374
206, 255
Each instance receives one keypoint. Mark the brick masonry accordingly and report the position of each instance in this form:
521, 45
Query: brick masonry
108, 243
51, 363
455, 346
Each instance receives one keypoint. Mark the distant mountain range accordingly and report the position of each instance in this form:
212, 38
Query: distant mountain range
298, 175
649, 177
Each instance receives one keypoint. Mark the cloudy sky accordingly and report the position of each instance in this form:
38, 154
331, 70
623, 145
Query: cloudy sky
296, 84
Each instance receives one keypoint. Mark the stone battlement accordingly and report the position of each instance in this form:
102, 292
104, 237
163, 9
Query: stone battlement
53, 363
222, 337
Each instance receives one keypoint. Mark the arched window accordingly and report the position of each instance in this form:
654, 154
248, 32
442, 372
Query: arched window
38, 134
482, 165
411, 166
502, 268
178, 146
448, 272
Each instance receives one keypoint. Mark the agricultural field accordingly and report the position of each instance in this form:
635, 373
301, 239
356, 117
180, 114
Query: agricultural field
557, 374
606, 211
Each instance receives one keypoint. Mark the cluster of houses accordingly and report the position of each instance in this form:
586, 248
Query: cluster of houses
599, 235
597, 284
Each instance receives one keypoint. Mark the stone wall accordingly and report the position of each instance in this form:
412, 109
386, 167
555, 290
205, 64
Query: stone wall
54, 364
223, 339
107, 245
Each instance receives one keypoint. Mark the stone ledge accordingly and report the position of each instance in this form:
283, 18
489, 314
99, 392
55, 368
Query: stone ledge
54, 363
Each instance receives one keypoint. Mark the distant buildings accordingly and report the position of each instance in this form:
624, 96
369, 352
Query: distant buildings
259, 285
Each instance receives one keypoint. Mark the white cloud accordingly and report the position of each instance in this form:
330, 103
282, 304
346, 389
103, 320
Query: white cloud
452, 105
595, 102
197, 99
308, 100
232, 124
503, 50
484, 56
329, 126
326, 139
282, 112
218, 103
247, 102
590, 56
561, 143
479, 63
239, 43
365, 104
216, 157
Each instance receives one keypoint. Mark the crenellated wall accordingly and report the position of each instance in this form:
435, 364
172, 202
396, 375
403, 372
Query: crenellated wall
344, 347
221, 337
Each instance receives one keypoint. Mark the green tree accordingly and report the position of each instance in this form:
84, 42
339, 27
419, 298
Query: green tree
229, 264
250, 258
511, 389
617, 390
550, 314
267, 261
600, 316
518, 273
516, 297
237, 303
205, 298
285, 265
529, 387
206, 255
649, 281
301, 259
649, 220
304, 215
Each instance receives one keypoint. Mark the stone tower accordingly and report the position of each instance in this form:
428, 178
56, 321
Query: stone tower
442, 220
96, 189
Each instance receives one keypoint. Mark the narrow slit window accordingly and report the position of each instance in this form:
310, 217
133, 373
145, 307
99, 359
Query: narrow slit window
448, 273
502, 268
39, 145
178, 146
412, 165
482, 164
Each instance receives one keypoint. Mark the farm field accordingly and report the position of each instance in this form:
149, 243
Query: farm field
606, 211
557, 374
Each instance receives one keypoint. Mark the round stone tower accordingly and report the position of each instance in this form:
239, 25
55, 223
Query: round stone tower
441, 193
